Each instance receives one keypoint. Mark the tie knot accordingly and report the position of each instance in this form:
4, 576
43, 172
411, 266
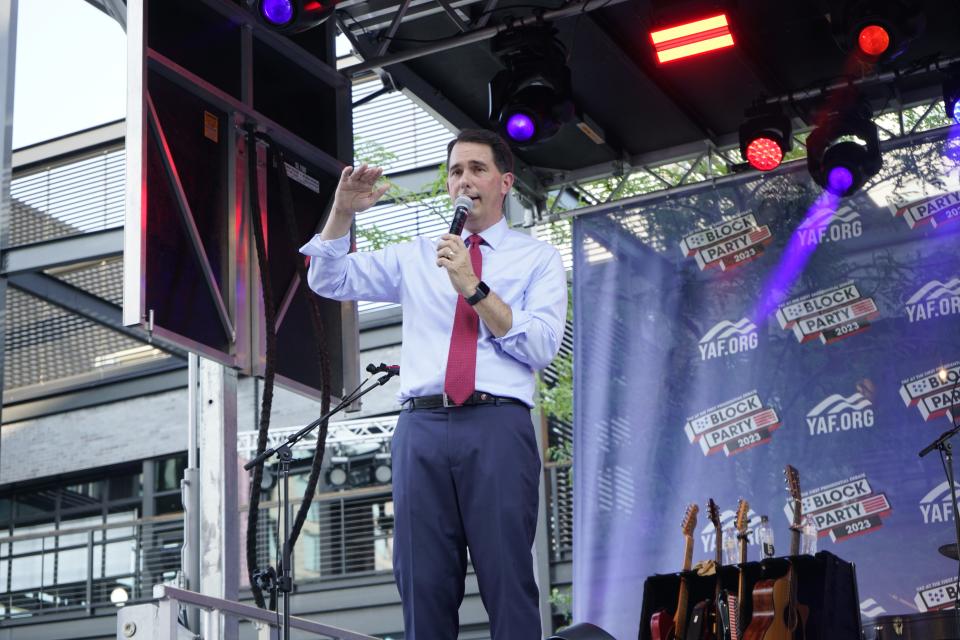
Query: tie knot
474, 240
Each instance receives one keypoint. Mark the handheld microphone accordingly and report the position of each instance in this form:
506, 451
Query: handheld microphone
392, 369
462, 207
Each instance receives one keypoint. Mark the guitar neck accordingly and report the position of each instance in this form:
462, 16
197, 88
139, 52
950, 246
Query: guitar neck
742, 585
719, 560
680, 617
795, 529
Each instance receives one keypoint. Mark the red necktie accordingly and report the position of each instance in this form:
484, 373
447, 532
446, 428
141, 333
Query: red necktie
462, 358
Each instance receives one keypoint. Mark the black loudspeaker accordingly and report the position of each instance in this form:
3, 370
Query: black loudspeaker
933, 625
582, 631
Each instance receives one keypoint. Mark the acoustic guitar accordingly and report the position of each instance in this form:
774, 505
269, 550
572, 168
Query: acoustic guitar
776, 613
662, 625
703, 619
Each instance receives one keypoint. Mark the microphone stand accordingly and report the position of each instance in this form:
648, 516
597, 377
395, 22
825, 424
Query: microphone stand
284, 452
942, 444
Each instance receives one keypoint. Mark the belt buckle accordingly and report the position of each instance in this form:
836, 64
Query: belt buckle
446, 401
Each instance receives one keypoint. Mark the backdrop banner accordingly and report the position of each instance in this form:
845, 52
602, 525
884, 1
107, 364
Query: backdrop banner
727, 331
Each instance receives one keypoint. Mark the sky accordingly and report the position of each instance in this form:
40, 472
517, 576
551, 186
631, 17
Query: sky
70, 72
71, 69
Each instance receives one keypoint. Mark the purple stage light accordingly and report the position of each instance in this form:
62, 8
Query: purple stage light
956, 111
839, 180
278, 12
520, 127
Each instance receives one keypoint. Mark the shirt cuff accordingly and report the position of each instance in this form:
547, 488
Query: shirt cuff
521, 319
327, 248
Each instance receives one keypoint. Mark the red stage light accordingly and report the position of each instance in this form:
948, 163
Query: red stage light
873, 40
692, 38
764, 154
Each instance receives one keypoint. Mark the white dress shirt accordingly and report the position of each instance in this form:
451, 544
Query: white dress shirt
527, 274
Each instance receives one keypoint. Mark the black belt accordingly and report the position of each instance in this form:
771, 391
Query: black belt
476, 398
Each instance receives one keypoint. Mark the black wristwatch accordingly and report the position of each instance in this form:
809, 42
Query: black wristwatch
482, 291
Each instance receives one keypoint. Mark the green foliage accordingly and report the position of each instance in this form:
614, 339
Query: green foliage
379, 238
561, 601
557, 400
428, 197
372, 153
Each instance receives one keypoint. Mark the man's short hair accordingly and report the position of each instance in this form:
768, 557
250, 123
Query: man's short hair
502, 156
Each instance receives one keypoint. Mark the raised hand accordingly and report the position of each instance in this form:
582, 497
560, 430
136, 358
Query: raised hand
357, 190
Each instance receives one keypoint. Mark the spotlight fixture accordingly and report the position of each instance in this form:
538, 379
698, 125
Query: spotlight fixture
951, 93
844, 152
531, 98
765, 137
293, 16
876, 30
382, 471
339, 471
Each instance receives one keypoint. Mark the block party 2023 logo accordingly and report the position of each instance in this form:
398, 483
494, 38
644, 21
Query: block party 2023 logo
728, 244
937, 595
844, 509
839, 414
934, 300
936, 210
733, 426
829, 314
935, 392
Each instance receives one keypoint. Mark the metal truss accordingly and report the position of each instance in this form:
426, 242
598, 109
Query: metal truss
627, 181
339, 433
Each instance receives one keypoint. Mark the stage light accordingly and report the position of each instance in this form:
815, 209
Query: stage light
844, 152
873, 40
294, 16
582, 631
119, 596
382, 471
520, 126
277, 12
951, 93
530, 100
692, 38
765, 137
339, 471
876, 30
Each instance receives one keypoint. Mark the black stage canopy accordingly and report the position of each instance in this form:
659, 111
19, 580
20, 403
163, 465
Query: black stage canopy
784, 50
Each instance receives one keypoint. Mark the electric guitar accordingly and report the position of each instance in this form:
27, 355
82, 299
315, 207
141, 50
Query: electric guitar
662, 626
703, 619
728, 605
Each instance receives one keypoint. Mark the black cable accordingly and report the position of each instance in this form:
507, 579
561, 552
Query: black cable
269, 313
316, 317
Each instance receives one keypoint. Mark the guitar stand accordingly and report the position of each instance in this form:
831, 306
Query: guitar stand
825, 583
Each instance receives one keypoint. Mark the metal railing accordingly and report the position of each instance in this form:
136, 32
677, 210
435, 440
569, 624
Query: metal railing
85, 567
160, 620
347, 534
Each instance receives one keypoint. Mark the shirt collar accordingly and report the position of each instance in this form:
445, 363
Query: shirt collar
492, 235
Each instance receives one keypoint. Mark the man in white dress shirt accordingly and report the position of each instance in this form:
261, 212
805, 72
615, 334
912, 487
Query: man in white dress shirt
482, 311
